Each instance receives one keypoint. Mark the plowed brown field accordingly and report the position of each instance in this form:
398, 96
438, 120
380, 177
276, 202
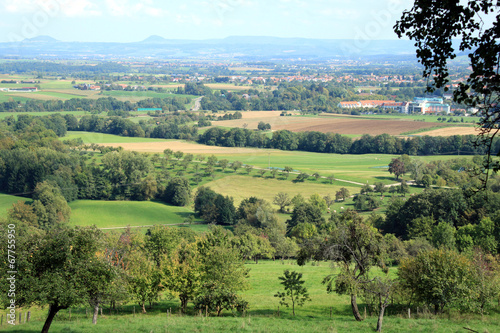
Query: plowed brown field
338, 125
354, 126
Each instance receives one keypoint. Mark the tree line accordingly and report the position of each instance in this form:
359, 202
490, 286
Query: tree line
94, 105
338, 144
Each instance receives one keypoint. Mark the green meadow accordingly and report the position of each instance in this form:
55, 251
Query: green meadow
324, 313
102, 138
116, 214
366, 168
6, 202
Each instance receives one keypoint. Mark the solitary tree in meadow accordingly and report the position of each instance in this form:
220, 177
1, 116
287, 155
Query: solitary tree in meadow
294, 292
283, 200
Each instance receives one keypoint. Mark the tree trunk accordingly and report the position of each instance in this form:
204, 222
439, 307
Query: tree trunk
96, 313
380, 318
354, 306
184, 300
143, 307
52, 313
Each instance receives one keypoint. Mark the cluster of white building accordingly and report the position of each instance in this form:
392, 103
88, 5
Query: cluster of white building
20, 90
423, 105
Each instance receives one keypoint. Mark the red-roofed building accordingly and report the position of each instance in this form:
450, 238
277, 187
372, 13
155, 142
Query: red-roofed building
349, 105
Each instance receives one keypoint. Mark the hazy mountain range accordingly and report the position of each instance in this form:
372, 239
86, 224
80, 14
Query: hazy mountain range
237, 48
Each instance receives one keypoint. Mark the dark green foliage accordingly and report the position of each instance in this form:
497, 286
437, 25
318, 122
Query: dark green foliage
216, 299
63, 270
214, 208
444, 205
397, 167
305, 213
50, 206
335, 143
366, 202
439, 278
178, 192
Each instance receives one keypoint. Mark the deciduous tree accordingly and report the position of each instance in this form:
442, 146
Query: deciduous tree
294, 292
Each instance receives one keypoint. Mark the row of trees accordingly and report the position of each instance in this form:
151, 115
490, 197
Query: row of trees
94, 105
335, 143
63, 268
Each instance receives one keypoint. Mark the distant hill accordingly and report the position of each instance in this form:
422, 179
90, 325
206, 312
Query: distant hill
154, 39
41, 39
234, 47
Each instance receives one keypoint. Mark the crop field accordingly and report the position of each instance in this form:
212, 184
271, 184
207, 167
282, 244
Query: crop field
354, 126
115, 214
344, 125
169, 86
74, 93
409, 117
186, 147
227, 86
449, 131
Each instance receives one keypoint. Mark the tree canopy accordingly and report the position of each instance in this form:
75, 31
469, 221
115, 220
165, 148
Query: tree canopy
434, 25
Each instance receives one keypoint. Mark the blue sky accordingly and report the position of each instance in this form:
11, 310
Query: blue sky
135, 20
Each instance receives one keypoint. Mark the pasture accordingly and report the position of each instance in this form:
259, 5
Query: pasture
364, 168
267, 188
120, 214
110, 139
6, 202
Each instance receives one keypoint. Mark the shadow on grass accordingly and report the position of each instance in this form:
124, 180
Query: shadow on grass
387, 178
184, 215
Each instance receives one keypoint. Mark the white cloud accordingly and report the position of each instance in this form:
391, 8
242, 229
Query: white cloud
17, 6
55, 7
129, 8
80, 8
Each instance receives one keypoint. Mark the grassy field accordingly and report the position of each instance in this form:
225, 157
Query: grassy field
365, 168
6, 202
5, 97
262, 316
115, 214
267, 188
100, 138
369, 168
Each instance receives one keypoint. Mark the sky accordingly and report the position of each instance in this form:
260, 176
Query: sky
135, 20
